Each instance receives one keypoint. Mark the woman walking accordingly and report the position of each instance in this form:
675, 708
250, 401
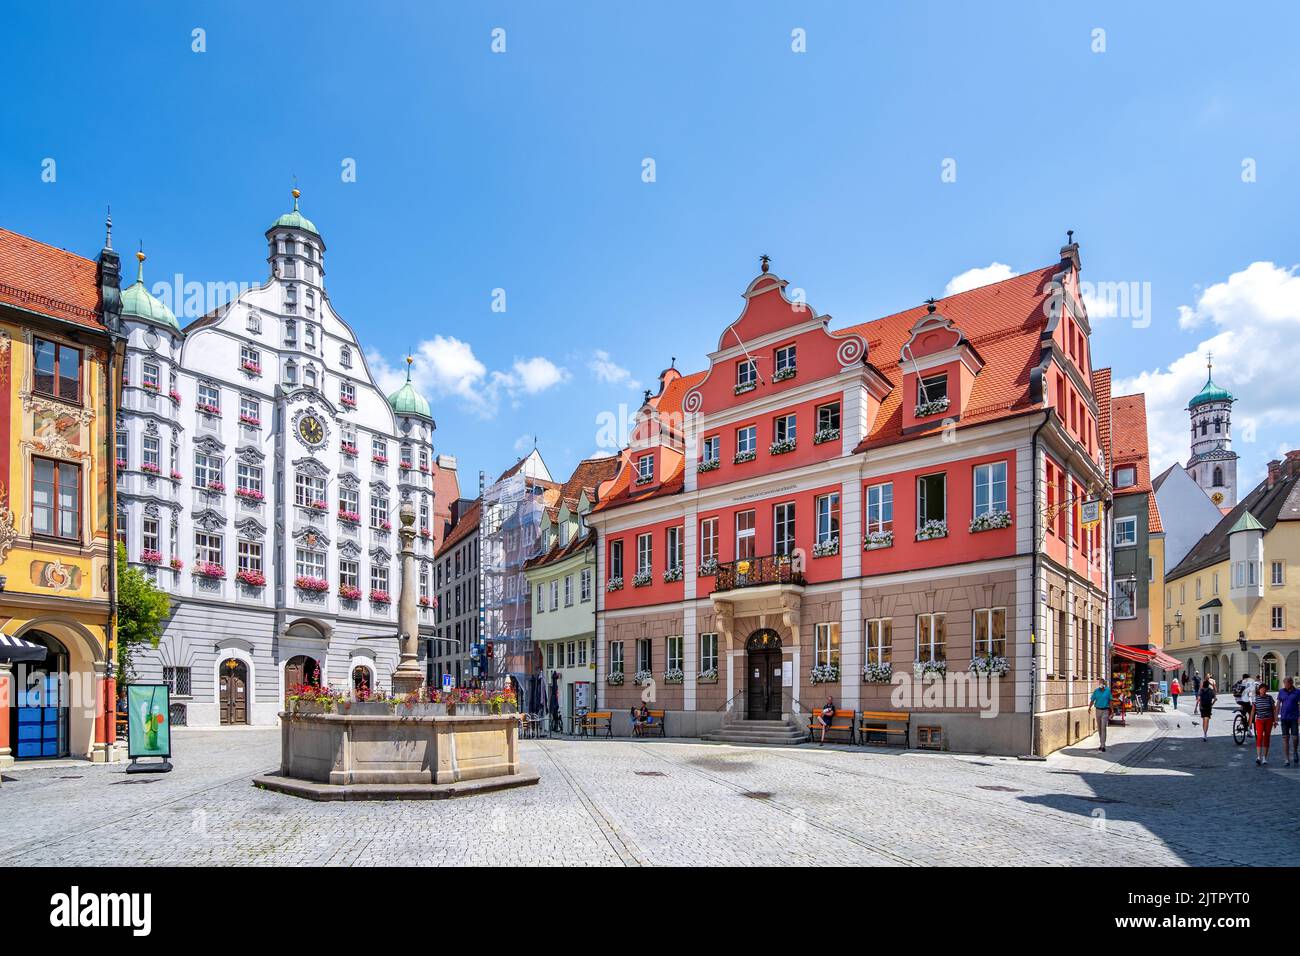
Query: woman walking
1174, 690
1205, 698
1263, 709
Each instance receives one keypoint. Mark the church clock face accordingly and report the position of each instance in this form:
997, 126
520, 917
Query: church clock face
1217, 497
310, 430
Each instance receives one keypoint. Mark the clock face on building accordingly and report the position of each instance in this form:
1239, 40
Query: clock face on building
311, 430
1217, 497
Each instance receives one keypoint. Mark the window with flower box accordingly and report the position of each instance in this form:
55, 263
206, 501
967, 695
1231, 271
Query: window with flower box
616, 657
708, 541
309, 491
932, 390
404, 457
208, 548
378, 512
880, 507
645, 469
784, 432
990, 488
123, 444
880, 641
149, 538
249, 557
990, 630
710, 452
349, 575
379, 578
674, 548
828, 518
708, 652
207, 470
309, 564
379, 450
250, 359
931, 638
615, 559
151, 455
644, 654
209, 398
826, 645
746, 375
828, 417
674, 654
785, 364
931, 500
644, 553
151, 379
250, 411
746, 443
248, 481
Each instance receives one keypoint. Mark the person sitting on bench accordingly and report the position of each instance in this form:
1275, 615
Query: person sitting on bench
825, 717
640, 717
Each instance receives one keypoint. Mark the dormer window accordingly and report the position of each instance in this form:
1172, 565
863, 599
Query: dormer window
931, 395
347, 395
345, 357
645, 469
746, 376
1125, 477
564, 534
254, 322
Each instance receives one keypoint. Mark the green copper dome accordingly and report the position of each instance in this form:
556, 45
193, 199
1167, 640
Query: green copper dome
407, 401
1210, 393
137, 303
295, 219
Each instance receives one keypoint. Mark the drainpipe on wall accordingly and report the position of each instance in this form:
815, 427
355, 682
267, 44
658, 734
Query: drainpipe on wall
1034, 594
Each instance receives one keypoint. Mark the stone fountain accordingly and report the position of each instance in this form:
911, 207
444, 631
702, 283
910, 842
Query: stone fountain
397, 751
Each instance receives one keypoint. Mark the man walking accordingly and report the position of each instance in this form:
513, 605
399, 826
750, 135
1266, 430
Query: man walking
1205, 698
1100, 701
1288, 714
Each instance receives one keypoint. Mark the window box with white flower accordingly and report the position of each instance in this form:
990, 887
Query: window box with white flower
743, 456
932, 529
672, 574
991, 665
826, 434
746, 387
614, 584
935, 406
641, 678
782, 446
877, 673
708, 567
709, 464
615, 679
674, 676
709, 676
990, 521
781, 375
877, 539
641, 579
931, 667
825, 673
827, 548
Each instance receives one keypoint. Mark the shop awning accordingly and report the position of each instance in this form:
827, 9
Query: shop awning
1131, 653
16, 649
1161, 659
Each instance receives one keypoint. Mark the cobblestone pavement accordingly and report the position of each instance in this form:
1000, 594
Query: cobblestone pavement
1159, 796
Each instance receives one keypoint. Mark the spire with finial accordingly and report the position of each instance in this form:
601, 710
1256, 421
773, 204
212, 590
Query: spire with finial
930, 304
764, 262
108, 229
409, 362
1209, 365
1069, 237
140, 257
296, 193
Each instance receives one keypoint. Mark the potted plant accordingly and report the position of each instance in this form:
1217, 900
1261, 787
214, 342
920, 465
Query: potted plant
990, 665
782, 374
877, 539
877, 673
672, 574
149, 556
990, 521
709, 676
708, 567
827, 548
781, 446
934, 528
826, 434
740, 457
614, 584
938, 668
708, 464
315, 585
641, 579
615, 679
641, 678
349, 592
933, 407
210, 570
825, 674
674, 675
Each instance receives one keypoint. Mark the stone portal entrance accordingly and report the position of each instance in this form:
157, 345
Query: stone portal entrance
763, 675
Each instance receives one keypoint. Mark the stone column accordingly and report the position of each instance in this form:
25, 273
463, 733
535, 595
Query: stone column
408, 677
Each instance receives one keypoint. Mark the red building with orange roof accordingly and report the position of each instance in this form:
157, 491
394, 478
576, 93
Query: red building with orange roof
837, 512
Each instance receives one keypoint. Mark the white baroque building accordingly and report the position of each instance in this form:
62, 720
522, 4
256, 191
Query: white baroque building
261, 471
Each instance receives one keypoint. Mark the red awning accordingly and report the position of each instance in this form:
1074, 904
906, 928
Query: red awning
1161, 659
1129, 652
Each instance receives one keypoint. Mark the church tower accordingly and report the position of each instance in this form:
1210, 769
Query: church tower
1213, 464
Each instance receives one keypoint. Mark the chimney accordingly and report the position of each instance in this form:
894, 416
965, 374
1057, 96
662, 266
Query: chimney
1274, 471
1292, 464
1070, 252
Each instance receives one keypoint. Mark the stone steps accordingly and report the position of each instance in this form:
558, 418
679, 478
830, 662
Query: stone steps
736, 731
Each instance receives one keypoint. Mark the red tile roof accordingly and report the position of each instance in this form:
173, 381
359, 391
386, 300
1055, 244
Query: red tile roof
53, 282
1154, 524
1003, 321
1129, 440
669, 403
467, 525
1101, 391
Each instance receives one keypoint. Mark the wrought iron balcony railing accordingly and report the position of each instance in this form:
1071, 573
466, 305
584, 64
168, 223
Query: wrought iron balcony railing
756, 572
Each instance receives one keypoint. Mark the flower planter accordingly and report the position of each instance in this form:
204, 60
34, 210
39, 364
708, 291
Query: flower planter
710, 465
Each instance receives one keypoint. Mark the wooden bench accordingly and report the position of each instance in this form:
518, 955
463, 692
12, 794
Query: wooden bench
841, 722
591, 723
880, 721
657, 726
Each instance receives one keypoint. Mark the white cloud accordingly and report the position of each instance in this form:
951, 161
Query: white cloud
1100, 306
1255, 320
446, 367
524, 443
610, 372
974, 278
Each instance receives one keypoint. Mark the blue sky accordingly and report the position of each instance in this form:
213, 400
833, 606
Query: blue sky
523, 171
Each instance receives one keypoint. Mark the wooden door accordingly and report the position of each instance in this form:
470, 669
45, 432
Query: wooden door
233, 696
763, 670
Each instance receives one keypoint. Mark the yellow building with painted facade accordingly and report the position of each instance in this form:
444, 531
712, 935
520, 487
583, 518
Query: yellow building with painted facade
1232, 605
57, 364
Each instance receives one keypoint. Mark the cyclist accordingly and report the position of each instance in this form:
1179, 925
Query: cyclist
1264, 710
1205, 698
1244, 691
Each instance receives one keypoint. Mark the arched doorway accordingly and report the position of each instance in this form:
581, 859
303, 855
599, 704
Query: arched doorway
362, 682
1269, 668
301, 670
763, 675
38, 721
232, 693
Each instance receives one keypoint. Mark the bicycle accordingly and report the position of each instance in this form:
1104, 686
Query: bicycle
1240, 727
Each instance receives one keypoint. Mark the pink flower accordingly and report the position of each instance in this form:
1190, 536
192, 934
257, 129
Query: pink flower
177, 564
175, 396
252, 367
349, 593
254, 579
151, 557
150, 468
350, 517
207, 409
210, 569
378, 596
249, 494
252, 420
305, 582
218, 487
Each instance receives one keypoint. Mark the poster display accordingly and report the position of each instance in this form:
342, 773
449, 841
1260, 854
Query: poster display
148, 731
